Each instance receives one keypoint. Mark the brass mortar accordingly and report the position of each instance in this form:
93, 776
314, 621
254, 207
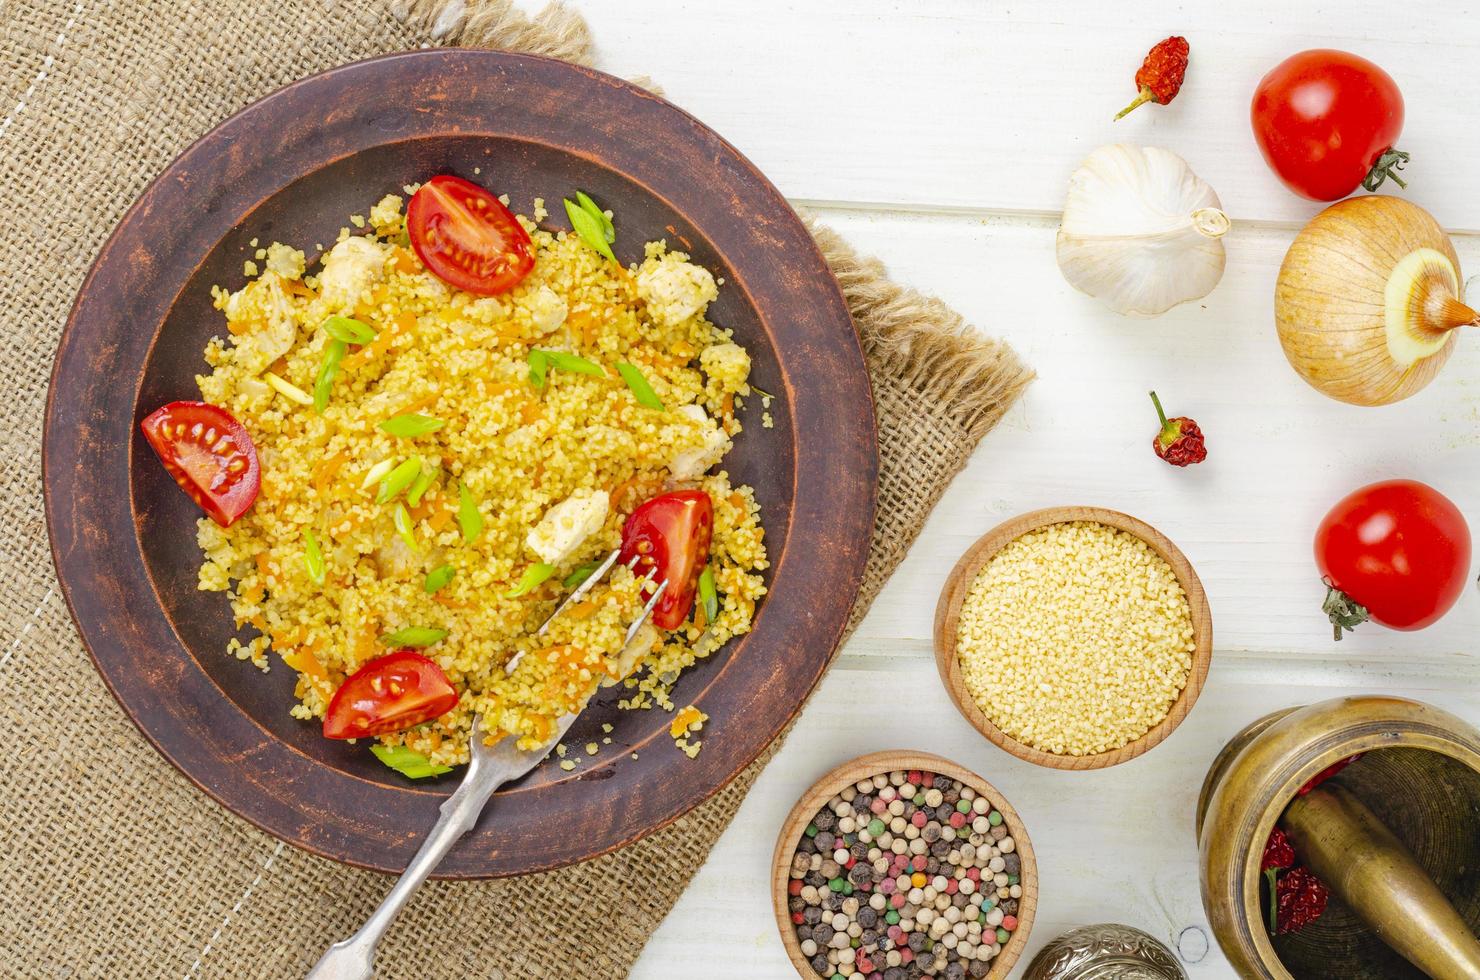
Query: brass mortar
1419, 778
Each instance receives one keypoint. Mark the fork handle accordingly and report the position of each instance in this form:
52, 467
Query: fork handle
354, 958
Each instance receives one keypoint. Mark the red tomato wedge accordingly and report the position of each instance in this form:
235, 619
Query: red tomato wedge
209, 454
388, 694
669, 537
467, 237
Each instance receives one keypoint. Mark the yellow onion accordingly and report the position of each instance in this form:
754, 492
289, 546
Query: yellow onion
1368, 299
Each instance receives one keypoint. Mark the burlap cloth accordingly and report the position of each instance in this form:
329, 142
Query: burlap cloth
113, 865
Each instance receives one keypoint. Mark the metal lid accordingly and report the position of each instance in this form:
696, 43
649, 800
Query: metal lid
1104, 952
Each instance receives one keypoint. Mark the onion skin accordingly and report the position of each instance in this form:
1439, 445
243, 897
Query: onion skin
1362, 318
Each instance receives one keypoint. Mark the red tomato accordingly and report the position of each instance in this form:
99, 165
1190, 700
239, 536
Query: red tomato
388, 694
1326, 121
467, 237
669, 537
1399, 548
209, 454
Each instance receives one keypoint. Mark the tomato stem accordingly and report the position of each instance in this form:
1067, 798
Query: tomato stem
1389, 162
1345, 613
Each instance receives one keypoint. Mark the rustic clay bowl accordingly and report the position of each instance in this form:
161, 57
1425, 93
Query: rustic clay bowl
293, 167
1420, 775
867, 767
958, 583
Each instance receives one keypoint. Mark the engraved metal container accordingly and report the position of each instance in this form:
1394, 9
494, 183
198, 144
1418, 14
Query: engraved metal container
1104, 952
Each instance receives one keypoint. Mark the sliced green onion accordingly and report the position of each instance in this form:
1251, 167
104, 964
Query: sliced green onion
403, 238
591, 230
534, 576
574, 363
469, 517
313, 558
539, 364
438, 578
595, 211
410, 426
405, 527
413, 636
641, 390
324, 383
541, 361
289, 391
762, 392
349, 330
424, 481
398, 479
707, 594
377, 471
580, 575
407, 762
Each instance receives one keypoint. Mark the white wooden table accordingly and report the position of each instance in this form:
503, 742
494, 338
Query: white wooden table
939, 137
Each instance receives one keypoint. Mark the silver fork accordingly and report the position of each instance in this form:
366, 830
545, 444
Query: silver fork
489, 767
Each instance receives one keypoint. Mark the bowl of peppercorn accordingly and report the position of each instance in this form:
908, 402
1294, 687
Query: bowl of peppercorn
900, 865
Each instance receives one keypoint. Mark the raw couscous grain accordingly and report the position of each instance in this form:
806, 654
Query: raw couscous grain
517, 450
1075, 638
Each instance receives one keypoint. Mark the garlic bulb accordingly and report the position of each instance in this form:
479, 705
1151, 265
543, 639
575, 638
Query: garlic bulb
1368, 300
1141, 231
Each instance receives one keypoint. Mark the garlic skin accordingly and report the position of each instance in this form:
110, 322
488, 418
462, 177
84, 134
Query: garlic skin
1141, 232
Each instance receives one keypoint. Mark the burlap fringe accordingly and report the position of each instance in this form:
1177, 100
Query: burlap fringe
555, 32
920, 339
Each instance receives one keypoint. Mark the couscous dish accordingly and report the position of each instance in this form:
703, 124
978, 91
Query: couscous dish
411, 451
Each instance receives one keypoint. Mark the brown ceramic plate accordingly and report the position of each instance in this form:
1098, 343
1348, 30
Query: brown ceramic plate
292, 168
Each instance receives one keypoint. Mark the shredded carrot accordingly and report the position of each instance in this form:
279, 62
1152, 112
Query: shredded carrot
737, 501
728, 405
443, 599
583, 610
684, 720
283, 639
531, 412
422, 510
699, 619
252, 594
303, 661
417, 404
258, 623
324, 469
279, 366
439, 520
685, 350
262, 565
297, 287
365, 641
620, 490
541, 726
404, 323
406, 261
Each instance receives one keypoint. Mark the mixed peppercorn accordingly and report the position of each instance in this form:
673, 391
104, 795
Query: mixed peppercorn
906, 875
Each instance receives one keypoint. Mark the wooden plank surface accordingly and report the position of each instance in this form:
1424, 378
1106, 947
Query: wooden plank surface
980, 105
939, 137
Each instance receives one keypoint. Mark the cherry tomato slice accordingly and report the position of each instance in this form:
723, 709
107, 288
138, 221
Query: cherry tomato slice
209, 454
669, 537
388, 694
467, 237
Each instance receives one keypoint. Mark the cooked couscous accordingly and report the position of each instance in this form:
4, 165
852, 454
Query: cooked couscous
466, 461
1075, 638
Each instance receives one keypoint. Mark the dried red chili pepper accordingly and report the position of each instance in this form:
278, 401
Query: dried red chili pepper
1180, 441
1161, 74
1277, 851
1327, 773
1278, 854
1302, 900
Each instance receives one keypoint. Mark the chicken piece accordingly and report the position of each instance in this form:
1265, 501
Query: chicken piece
264, 327
690, 464
673, 289
547, 310
350, 269
567, 524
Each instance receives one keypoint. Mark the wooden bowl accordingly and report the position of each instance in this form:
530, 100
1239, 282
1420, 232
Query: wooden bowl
1419, 774
292, 168
948, 617
867, 767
